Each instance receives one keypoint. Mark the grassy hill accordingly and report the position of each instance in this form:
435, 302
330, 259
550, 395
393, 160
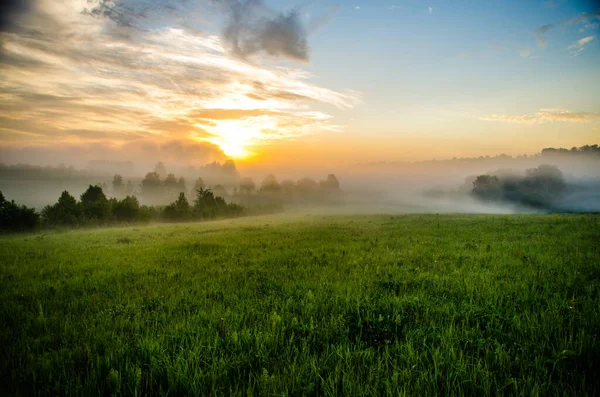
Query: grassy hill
298, 305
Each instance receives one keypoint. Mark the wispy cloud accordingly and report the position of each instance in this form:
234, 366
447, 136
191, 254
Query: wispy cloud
73, 75
579, 45
541, 42
585, 17
526, 53
546, 115
430, 10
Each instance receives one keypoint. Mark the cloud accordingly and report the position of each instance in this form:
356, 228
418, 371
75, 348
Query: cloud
10, 10
252, 28
357, 8
547, 115
430, 10
143, 152
526, 53
550, 4
585, 17
79, 77
579, 45
541, 42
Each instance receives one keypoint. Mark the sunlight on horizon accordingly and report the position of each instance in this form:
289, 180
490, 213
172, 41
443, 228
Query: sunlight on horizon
233, 137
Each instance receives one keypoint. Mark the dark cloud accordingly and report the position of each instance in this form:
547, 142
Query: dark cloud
10, 11
252, 28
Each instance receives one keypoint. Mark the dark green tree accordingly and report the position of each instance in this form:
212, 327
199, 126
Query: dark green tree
127, 209
66, 212
94, 203
179, 210
14, 217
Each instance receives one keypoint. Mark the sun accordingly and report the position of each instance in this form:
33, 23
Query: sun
234, 137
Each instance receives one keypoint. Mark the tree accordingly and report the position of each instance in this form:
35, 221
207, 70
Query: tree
152, 189
95, 204
199, 184
160, 170
487, 187
14, 217
331, 183
205, 205
67, 211
181, 184
306, 185
270, 184
179, 210
118, 187
171, 186
129, 190
127, 209
220, 191
247, 185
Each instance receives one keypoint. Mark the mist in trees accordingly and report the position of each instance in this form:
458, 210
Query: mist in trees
541, 188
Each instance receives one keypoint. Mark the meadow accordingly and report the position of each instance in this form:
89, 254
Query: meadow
294, 305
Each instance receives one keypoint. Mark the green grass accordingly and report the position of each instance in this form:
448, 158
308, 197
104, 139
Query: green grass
306, 305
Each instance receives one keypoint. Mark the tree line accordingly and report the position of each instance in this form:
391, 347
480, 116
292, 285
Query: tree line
159, 187
95, 208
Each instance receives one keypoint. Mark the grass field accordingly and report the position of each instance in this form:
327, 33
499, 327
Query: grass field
306, 305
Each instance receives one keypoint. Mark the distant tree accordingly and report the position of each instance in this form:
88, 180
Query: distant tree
229, 168
199, 184
152, 188
547, 179
66, 212
247, 185
171, 187
541, 187
270, 184
14, 217
487, 187
95, 204
181, 184
129, 189
220, 191
288, 186
127, 209
161, 170
331, 183
306, 186
118, 187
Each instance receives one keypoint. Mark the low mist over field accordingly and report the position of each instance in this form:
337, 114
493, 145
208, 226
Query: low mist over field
426, 186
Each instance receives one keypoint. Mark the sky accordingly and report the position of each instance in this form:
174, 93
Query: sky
287, 83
